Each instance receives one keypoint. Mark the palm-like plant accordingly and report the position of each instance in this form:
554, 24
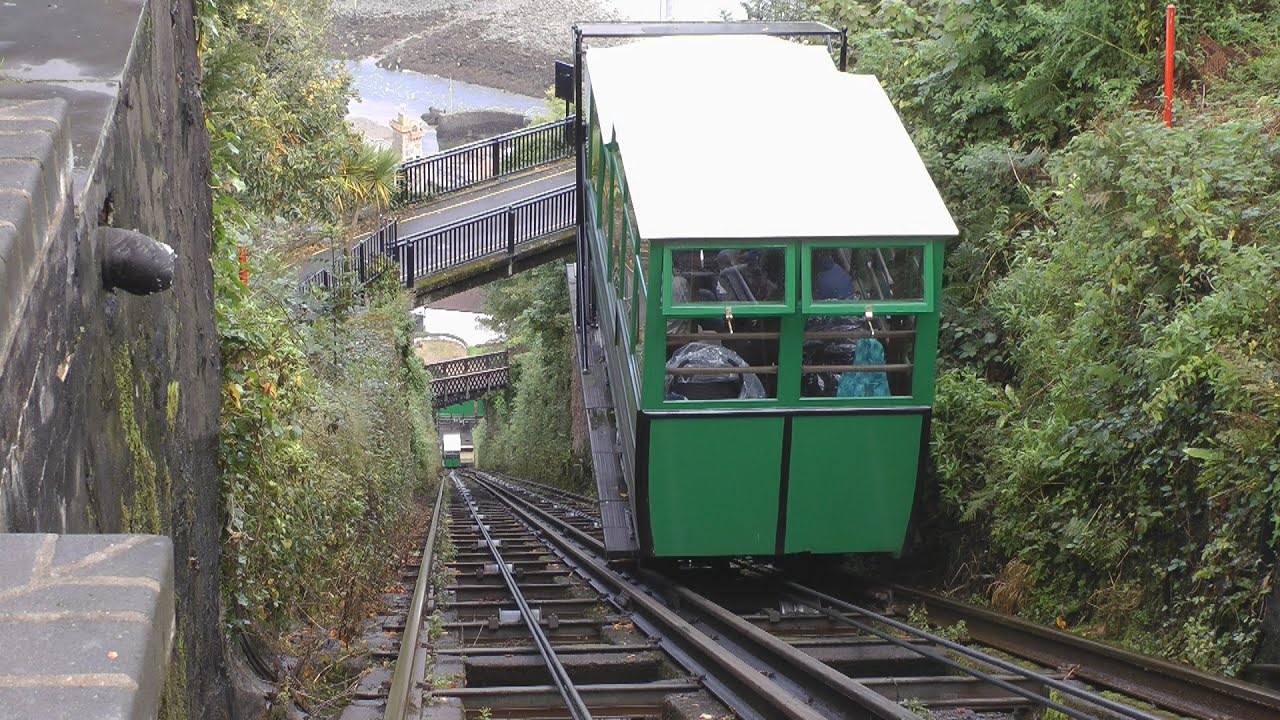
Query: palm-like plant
368, 179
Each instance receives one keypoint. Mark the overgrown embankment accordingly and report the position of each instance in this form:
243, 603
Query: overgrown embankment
528, 431
1108, 415
326, 417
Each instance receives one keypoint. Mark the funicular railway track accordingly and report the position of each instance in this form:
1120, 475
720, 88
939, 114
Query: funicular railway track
640, 644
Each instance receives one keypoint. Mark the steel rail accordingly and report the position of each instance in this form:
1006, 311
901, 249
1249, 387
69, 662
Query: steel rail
519, 486
807, 595
559, 675
1165, 684
545, 489
586, 539
745, 689
403, 680
841, 685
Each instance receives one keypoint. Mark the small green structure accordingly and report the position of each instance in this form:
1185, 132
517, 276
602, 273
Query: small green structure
462, 410
451, 450
767, 294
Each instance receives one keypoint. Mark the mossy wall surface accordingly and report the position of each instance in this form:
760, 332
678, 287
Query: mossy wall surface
109, 403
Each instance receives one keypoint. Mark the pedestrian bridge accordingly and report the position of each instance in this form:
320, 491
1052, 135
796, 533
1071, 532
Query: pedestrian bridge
468, 378
474, 214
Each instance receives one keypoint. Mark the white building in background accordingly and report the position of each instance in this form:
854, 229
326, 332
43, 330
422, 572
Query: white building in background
460, 324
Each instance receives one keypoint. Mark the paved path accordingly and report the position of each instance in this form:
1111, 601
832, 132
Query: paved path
468, 203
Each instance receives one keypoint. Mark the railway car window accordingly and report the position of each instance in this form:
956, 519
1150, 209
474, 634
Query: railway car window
728, 276
627, 274
641, 310
711, 363
619, 235
603, 217
596, 152
842, 274
855, 356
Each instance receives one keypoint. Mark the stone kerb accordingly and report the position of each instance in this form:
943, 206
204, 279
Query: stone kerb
87, 623
35, 187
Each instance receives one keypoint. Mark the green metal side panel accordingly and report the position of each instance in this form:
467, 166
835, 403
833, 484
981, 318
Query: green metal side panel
713, 486
466, 409
852, 482
452, 462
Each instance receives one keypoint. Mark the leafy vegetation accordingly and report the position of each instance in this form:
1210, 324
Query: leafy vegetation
326, 418
527, 432
1108, 416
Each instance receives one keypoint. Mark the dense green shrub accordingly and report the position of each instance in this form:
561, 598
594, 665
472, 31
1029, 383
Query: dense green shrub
1107, 416
1138, 469
527, 432
326, 419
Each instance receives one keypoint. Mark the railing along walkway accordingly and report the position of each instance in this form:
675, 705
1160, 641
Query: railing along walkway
461, 388
500, 231
469, 165
497, 232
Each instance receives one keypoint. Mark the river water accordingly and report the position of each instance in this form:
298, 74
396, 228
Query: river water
383, 93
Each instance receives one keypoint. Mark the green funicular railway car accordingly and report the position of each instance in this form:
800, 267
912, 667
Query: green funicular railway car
766, 252
451, 450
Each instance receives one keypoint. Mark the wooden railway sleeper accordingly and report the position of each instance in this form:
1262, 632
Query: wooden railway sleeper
739, 683
840, 611
564, 684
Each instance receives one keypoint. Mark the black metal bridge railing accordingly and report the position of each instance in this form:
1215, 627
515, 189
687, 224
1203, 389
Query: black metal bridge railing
470, 239
366, 261
477, 162
497, 232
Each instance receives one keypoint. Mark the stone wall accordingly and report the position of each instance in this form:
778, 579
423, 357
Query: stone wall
109, 402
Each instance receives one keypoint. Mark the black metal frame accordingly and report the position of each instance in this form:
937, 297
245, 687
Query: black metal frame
469, 165
367, 259
644, 528
496, 232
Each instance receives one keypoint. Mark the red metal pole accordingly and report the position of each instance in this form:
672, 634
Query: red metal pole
1170, 26
244, 265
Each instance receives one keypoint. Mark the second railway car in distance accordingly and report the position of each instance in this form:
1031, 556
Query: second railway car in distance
765, 247
451, 450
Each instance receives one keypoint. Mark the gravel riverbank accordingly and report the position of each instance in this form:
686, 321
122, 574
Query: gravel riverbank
507, 44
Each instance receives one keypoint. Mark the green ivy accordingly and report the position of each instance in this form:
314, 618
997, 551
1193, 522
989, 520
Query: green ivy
1137, 467
326, 417
527, 432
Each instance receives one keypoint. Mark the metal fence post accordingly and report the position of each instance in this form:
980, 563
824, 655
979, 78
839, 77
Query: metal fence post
511, 232
408, 265
497, 162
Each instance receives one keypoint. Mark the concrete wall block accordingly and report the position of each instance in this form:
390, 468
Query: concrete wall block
32, 228
88, 622
27, 177
48, 117
36, 133
12, 291
35, 161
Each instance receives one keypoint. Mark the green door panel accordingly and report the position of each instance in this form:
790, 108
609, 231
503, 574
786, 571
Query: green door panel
852, 482
713, 485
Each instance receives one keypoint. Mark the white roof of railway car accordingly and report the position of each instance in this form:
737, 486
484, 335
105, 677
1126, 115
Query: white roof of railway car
758, 137
451, 442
